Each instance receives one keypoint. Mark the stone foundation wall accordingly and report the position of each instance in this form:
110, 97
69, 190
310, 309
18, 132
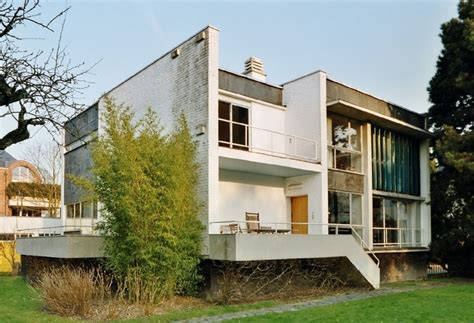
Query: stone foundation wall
402, 266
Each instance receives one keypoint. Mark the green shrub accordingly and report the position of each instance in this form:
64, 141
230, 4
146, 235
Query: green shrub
146, 183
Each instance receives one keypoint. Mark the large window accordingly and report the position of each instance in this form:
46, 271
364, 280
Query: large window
395, 162
84, 210
233, 126
346, 209
22, 174
344, 144
395, 222
28, 211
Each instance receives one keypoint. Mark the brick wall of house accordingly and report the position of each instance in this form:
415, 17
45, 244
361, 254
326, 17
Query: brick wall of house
6, 178
187, 83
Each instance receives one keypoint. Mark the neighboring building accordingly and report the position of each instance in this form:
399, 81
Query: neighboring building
26, 206
331, 171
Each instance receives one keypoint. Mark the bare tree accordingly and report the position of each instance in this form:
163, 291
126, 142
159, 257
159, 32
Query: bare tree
36, 88
47, 158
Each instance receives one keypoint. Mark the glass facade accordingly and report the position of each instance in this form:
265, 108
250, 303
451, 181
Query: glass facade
395, 162
396, 222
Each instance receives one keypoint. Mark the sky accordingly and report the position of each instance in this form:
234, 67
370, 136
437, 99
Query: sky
386, 48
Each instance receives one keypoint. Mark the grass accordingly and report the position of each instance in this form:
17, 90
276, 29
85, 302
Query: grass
21, 303
452, 303
452, 300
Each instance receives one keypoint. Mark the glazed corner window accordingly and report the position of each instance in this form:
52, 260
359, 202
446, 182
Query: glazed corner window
23, 175
233, 126
396, 222
344, 144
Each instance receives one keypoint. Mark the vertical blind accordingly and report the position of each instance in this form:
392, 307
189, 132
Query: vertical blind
395, 162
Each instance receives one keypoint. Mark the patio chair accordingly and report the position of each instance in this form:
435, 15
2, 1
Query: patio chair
232, 228
253, 221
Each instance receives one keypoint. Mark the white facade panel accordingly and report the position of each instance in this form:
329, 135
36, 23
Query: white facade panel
244, 192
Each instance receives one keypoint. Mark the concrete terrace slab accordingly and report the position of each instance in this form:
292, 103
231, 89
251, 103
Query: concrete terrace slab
66, 247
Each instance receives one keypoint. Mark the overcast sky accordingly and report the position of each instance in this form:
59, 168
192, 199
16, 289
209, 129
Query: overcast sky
386, 48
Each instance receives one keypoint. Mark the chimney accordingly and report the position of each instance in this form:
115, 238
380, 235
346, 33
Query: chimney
254, 69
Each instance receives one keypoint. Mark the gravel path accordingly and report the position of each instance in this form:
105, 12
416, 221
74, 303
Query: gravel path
307, 304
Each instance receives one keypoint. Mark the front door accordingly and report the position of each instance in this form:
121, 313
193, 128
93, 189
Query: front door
299, 213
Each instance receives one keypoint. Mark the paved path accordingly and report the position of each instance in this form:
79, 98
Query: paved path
307, 304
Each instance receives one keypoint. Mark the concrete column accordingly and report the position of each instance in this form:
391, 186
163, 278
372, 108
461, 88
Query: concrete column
425, 207
367, 218
323, 152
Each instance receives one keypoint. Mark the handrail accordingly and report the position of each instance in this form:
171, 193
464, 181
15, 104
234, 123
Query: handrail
57, 230
399, 242
348, 150
258, 128
353, 228
366, 246
249, 142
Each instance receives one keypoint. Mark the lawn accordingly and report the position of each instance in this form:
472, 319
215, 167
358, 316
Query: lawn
20, 303
454, 303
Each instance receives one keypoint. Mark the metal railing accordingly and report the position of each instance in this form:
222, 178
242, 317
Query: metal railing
58, 231
245, 137
242, 227
398, 237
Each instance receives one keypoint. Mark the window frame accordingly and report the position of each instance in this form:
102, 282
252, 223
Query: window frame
412, 228
334, 149
358, 227
23, 173
231, 144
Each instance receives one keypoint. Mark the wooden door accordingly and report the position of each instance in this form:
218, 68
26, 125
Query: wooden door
299, 213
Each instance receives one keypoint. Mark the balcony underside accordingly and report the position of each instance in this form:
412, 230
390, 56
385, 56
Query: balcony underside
258, 163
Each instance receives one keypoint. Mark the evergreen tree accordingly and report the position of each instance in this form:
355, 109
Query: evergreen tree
451, 89
451, 116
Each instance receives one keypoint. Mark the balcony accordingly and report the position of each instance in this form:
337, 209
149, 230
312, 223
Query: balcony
17, 224
243, 147
257, 241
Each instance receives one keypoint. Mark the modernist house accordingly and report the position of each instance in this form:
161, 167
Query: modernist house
312, 168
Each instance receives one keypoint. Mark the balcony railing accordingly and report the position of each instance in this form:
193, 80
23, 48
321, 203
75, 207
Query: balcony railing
242, 136
398, 237
58, 231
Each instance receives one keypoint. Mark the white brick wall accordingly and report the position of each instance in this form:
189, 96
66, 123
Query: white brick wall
187, 83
